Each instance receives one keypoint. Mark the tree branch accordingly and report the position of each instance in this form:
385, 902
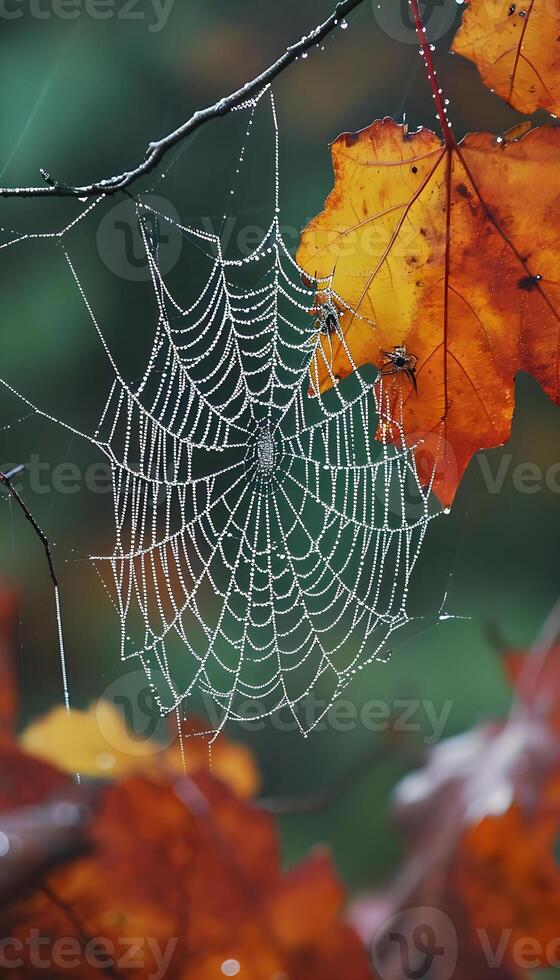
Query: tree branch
157, 150
6, 481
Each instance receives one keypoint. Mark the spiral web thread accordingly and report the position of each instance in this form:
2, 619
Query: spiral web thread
263, 542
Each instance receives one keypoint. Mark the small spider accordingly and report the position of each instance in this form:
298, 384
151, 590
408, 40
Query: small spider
328, 318
327, 322
399, 359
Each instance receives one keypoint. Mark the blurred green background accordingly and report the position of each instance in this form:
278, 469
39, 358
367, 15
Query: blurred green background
81, 98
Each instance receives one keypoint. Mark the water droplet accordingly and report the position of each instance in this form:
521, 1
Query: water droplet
230, 968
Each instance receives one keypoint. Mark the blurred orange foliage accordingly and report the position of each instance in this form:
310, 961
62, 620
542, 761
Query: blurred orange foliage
156, 873
481, 821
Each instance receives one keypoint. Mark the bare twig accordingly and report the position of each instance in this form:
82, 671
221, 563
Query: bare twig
6, 481
158, 149
83, 934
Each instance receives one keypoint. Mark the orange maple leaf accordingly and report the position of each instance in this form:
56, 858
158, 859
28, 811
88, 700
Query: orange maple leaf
481, 819
181, 877
453, 251
507, 873
515, 47
506, 868
196, 870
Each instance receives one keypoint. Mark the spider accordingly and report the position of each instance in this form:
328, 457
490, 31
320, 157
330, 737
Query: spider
399, 359
327, 322
328, 318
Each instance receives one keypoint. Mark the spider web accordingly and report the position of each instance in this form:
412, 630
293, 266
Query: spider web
264, 540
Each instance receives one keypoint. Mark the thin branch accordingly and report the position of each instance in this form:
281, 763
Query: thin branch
109, 969
157, 150
6, 481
